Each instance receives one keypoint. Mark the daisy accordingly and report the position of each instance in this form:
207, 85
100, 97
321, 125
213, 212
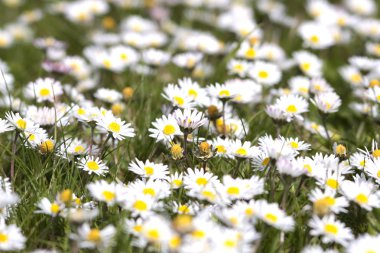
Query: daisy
21, 124
362, 192
155, 57
265, 73
157, 189
243, 150
93, 165
11, 238
327, 102
247, 51
222, 91
88, 237
331, 230
238, 67
165, 128
115, 126
292, 106
309, 64
296, 144
324, 202
192, 89
108, 95
197, 179
271, 214
50, 208
364, 243
46, 89
140, 205
177, 96
149, 169
176, 180
222, 147
103, 191
189, 119
242, 188
187, 60
315, 35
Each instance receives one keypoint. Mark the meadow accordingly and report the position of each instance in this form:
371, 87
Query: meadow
190, 126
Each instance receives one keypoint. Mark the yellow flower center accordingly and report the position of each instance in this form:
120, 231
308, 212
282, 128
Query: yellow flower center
314, 39
209, 195
79, 149
291, 109
81, 111
94, 235
224, 93
193, 93
249, 211
271, 217
177, 182
92, 165
198, 233
108, 195
221, 149
3, 238
140, 205
149, 191
233, 190
332, 183
263, 74
201, 181
250, 53
169, 129
54, 208
241, 151
331, 229
294, 144
114, 127
361, 199
266, 161
230, 243
153, 234
149, 170
356, 78
175, 242
239, 67
44, 92
179, 100
376, 153
21, 124
138, 228
124, 56
183, 209
305, 66
107, 64
308, 168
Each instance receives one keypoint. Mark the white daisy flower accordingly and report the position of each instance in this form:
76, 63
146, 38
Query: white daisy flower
165, 128
189, 119
88, 237
265, 73
115, 126
362, 192
94, 165
46, 89
149, 169
11, 238
331, 230
271, 214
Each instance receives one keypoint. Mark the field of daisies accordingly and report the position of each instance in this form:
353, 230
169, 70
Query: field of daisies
190, 126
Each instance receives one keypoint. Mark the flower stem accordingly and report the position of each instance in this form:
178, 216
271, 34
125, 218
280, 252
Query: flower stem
13, 155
